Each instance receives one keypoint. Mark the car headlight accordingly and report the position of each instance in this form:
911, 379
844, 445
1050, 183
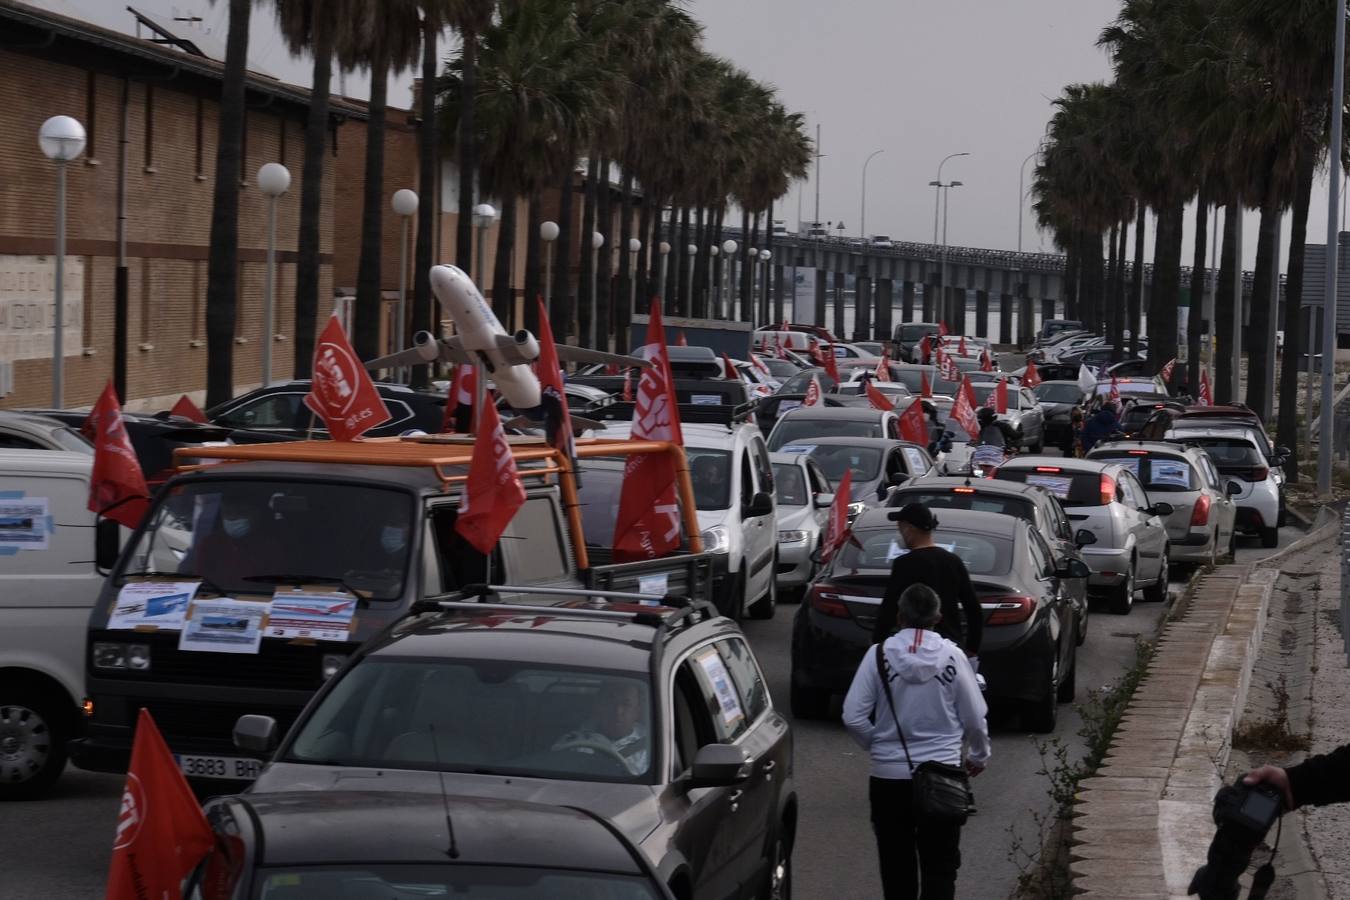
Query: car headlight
121, 657
857, 509
717, 539
331, 663
791, 537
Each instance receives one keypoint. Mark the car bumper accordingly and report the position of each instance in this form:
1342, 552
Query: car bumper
794, 564
1196, 545
1017, 669
1108, 565
826, 651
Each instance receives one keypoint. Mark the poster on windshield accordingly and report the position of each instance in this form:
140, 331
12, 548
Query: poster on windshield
224, 626
23, 524
1056, 484
1170, 473
727, 700
161, 605
309, 615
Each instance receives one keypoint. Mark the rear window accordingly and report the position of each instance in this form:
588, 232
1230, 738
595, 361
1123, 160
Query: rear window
915, 332
912, 381
1229, 454
1157, 472
1058, 393
875, 549
797, 384
962, 498
863, 462
1072, 488
803, 429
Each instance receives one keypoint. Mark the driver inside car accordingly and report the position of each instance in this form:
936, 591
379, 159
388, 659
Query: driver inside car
616, 727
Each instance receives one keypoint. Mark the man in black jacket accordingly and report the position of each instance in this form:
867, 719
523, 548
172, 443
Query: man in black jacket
926, 563
1318, 780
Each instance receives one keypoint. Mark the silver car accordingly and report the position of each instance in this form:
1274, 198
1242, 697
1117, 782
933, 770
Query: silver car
1129, 546
804, 499
1201, 527
1024, 413
30, 431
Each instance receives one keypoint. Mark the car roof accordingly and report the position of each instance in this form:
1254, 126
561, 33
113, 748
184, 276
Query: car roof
789, 459
1063, 463
1235, 431
414, 477
46, 460
981, 485
848, 413
963, 520
308, 827
1148, 446
878, 442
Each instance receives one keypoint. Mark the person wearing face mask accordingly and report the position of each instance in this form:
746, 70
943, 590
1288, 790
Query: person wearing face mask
232, 546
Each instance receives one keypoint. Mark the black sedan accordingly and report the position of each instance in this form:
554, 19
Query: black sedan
1029, 650
362, 843
279, 409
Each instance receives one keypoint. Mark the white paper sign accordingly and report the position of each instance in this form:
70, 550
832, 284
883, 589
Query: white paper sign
656, 585
706, 399
224, 626
316, 616
161, 604
727, 700
24, 523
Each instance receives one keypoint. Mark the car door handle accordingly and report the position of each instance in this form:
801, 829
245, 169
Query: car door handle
768, 769
735, 799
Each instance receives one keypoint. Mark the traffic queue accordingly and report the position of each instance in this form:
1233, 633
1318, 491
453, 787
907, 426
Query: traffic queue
511, 606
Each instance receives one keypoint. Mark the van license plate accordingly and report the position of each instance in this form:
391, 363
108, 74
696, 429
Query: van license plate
233, 767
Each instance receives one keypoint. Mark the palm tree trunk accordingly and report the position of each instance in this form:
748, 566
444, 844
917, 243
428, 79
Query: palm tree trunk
222, 265
1137, 286
721, 262
1093, 280
534, 289
1162, 308
586, 280
1225, 306
1196, 314
467, 87
1073, 264
366, 339
1119, 299
503, 298
1112, 279
561, 306
683, 292
698, 296
311, 205
1286, 429
623, 303
604, 276
1258, 332
650, 249
428, 207
743, 251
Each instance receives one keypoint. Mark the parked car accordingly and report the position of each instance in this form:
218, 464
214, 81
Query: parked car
280, 410
1106, 500
1028, 648
768, 410
1145, 386
1052, 372
359, 843
872, 348
875, 465
657, 719
1130, 367
797, 384
1058, 399
1201, 527
803, 496
1239, 457
808, 422
850, 351
911, 375
1024, 415
1051, 327
30, 431
1140, 409
882, 241
894, 391
907, 338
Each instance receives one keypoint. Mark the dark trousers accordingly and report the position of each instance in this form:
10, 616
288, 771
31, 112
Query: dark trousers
918, 859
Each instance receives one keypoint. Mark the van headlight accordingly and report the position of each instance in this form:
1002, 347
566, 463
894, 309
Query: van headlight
114, 656
717, 539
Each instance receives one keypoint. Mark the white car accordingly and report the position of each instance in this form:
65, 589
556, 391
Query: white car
804, 496
1238, 455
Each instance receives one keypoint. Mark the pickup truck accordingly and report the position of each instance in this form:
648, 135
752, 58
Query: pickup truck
253, 579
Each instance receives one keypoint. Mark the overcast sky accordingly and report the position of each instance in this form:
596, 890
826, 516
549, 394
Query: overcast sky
918, 79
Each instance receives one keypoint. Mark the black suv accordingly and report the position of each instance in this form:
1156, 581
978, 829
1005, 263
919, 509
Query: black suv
280, 409
655, 717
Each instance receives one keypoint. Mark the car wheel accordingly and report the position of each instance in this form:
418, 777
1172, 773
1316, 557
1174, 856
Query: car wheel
808, 702
778, 880
1041, 714
1270, 537
1121, 598
763, 607
1068, 685
33, 735
1157, 592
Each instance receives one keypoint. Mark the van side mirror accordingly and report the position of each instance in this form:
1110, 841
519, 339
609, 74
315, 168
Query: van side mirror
824, 501
1084, 538
107, 543
716, 765
760, 505
255, 734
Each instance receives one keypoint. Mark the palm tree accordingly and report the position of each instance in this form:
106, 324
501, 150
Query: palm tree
222, 272
470, 18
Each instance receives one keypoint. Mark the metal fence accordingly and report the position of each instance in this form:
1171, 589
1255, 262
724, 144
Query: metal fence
1345, 582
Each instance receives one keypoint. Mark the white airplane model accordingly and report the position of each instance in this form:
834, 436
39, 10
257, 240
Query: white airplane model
481, 340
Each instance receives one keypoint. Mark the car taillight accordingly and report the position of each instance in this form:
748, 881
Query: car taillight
963, 490
827, 602
1108, 490
1010, 609
1200, 513
1258, 474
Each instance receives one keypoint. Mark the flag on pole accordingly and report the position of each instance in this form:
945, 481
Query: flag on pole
186, 409
1206, 396
925, 349
779, 351
341, 392
925, 388
836, 526
648, 523
961, 347
759, 364
458, 418
1031, 377
1000, 395
493, 491
814, 395
963, 410
877, 398
161, 832
913, 424
1166, 372
942, 329
557, 417
627, 396
986, 361
730, 368
1115, 390
883, 372
117, 487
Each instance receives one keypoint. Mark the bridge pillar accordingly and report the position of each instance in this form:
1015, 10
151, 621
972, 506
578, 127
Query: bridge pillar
838, 328
981, 313
821, 277
778, 286
907, 301
1047, 309
885, 295
958, 322
1005, 318
932, 306
1026, 325
862, 308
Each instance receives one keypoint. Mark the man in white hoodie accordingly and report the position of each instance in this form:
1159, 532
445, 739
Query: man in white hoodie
938, 703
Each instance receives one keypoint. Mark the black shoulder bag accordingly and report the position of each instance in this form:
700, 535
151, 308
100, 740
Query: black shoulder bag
941, 792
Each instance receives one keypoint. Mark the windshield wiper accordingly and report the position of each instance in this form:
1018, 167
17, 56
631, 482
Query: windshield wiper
302, 580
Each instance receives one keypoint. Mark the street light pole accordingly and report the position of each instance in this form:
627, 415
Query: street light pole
816, 220
862, 224
634, 248
937, 198
691, 250
940, 300
548, 233
714, 290
597, 241
728, 254
405, 206
946, 194
663, 249
1329, 304
61, 139
273, 180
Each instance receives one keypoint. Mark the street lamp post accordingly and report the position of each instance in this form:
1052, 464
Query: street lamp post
938, 186
663, 249
483, 216
273, 180
714, 296
404, 203
945, 293
862, 225
548, 233
692, 251
1022, 195
597, 241
634, 248
61, 139
729, 248
764, 257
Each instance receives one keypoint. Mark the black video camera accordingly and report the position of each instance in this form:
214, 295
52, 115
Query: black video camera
1244, 814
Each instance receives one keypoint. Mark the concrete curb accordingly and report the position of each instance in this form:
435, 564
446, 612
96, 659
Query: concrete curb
1327, 523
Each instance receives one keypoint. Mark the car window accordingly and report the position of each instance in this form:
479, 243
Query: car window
1157, 472
790, 485
1070, 488
459, 561
1132, 495
819, 483
875, 549
754, 693
1040, 555
747, 480
893, 428
803, 429
17, 442
763, 468
280, 410
534, 543
968, 498
710, 471
1211, 474
719, 697
1028, 399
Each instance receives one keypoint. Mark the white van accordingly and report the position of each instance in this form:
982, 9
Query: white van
50, 546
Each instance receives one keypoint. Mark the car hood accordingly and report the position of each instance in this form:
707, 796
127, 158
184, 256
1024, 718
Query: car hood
707, 518
633, 808
795, 518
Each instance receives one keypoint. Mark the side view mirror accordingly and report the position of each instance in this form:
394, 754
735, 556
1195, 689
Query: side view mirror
760, 505
1084, 538
107, 543
1234, 488
1161, 508
897, 479
824, 501
1282, 451
255, 734
1072, 568
715, 765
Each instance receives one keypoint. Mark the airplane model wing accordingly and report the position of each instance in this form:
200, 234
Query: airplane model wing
583, 355
425, 349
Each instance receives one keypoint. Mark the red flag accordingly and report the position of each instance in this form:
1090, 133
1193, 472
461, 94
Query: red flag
342, 393
961, 348
925, 388
186, 409
1031, 377
884, 368
493, 492
627, 387
731, 372
831, 366
950, 370
459, 401
778, 348
914, 424
814, 396
1000, 395
1206, 397
117, 486
963, 410
611, 368
1115, 390
836, 526
682, 341
161, 832
878, 398
942, 329
1166, 372
557, 417
925, 349
648, 524
759, 364
986, 362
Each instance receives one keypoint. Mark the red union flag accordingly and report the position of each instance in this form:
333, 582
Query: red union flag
963, 410
1000, 396
1166, 372
117, 486
342, 393
459, 403
1115, 390
949, 369
186, 409
878, 398
925, 387
1206, 396
925, 349
1031, 377
961, 348
161, 832
986, 361
914, 425
942, 329
493, 492
730, 367
557, 418
814, 395
836, 527
884, 368
648, 524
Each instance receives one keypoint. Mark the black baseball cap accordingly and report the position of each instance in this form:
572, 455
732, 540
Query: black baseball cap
916, 514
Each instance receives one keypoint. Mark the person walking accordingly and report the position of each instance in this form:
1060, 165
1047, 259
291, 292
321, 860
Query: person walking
924, 562
913, 700
1100, 425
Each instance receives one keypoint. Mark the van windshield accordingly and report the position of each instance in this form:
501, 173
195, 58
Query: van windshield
239, 535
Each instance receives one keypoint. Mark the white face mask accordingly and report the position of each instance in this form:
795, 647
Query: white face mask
236, 528
393, 538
